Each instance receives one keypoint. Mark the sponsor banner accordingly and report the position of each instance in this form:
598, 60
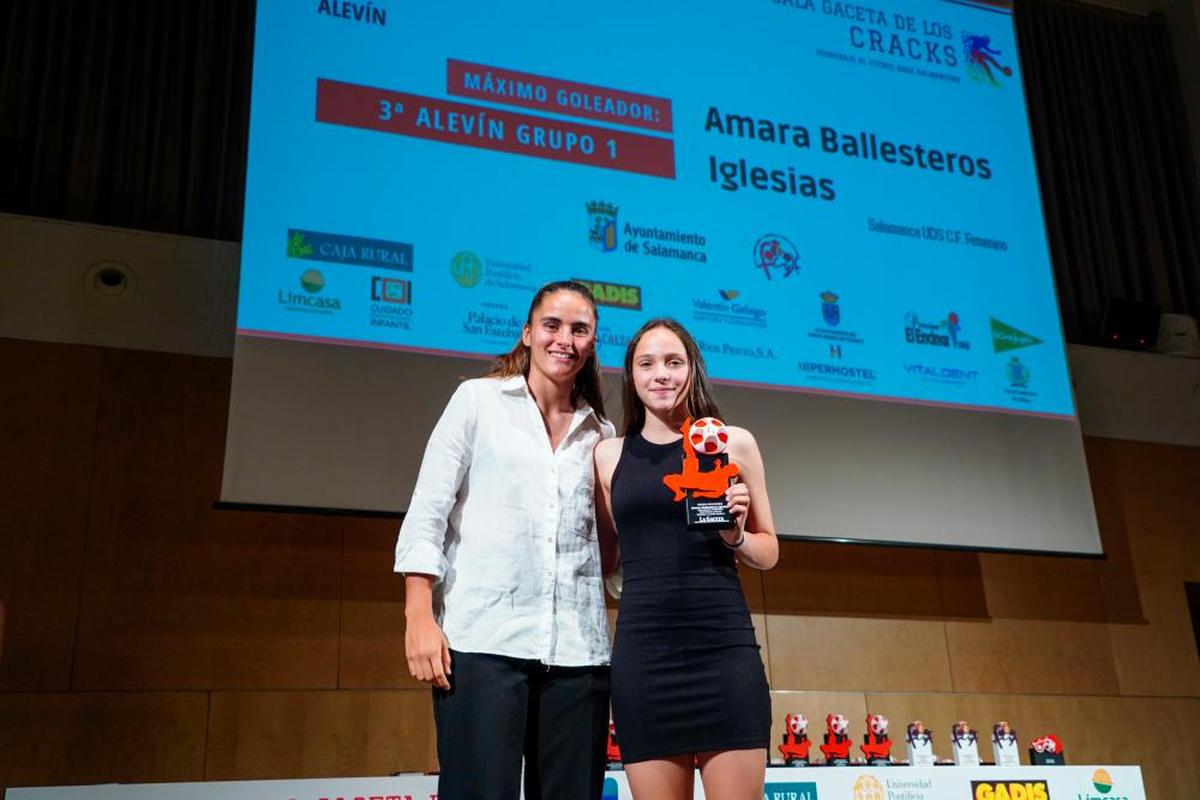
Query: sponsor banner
406, 114
335, 248
614, 295
512, 87
847, 783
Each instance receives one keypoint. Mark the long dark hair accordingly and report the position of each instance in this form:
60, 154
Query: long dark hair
697, 401
589, 384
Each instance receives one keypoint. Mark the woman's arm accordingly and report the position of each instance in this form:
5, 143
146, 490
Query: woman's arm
605, 457
754, 534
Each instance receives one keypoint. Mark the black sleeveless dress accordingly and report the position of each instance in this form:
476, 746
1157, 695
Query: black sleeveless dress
686, 672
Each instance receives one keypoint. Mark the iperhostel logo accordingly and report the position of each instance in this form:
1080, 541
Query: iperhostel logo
792, 790
357, 250
1036, 789
313, 284
981, 58
943, 333
1006, 337
615, 295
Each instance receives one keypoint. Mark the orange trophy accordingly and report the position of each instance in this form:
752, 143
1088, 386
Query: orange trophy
706, 475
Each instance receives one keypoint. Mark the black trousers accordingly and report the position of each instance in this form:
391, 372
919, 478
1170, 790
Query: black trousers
499, 710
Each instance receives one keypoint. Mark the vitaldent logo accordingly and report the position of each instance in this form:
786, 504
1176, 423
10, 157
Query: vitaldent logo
334, 248
937, 374
1010, 790
313, 283
1006, 337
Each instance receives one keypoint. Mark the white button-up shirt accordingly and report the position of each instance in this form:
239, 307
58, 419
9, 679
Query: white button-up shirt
508, 529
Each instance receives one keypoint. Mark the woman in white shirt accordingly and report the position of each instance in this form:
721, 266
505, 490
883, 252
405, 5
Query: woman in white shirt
503, 590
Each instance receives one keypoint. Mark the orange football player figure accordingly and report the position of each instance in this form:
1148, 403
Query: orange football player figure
795, 740
711, 484
876, 744
837, 739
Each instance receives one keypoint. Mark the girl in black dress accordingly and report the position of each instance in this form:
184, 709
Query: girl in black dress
688, 685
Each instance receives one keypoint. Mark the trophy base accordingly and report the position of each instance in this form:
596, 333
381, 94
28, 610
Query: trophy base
879, 762
1046, 759
795, 762
704, 514
838, 762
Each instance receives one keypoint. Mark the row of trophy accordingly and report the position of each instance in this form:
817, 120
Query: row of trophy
877, 746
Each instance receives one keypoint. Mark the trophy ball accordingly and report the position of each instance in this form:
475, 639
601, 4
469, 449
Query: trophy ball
708, 435
878, 724
837, 723
797, 724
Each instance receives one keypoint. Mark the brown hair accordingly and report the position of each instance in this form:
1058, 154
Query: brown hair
589, 384
697, 401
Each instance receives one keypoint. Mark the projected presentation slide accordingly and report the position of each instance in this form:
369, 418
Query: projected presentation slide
833, 197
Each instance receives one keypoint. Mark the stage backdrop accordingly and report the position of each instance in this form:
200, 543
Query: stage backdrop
839, 200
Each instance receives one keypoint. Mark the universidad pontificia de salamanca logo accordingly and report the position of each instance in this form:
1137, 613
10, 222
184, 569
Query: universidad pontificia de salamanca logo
606, 235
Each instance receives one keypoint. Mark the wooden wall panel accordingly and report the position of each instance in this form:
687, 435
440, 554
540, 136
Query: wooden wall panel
851, 654
852, 579
372, 643
48, 403
257, 735
1143, 736
1031, 657
1042, 587
177, 595
1158, 658
80, 737
1115, 573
